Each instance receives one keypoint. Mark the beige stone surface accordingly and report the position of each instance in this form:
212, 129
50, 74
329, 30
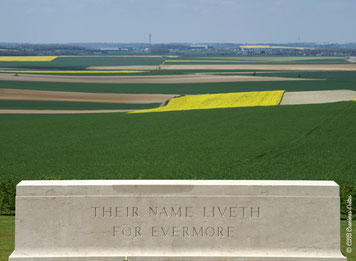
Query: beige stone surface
177, 220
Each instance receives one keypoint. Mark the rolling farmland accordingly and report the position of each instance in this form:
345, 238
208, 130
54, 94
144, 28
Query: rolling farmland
216, 118
288, 127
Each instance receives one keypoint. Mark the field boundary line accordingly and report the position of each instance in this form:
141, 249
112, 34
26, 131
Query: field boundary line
280, 101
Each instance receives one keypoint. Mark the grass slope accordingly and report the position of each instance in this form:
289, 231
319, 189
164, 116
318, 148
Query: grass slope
7, 238
344, 224
59, 105
313, 142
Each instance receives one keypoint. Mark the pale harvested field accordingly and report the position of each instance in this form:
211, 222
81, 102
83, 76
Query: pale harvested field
152, 79
283, 67
31, 95
59, 111
352, 59
317, 97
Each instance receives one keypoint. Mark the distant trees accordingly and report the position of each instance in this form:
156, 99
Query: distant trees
7, 196
347, 199
42, 49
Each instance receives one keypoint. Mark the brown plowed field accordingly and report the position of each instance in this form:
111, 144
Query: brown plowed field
14, 94
59, 111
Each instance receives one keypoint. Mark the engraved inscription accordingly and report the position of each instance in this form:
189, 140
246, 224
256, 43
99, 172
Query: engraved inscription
226, 216
170, 211
192, 231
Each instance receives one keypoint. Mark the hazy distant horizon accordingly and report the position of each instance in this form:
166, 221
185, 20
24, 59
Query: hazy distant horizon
173, 21
182, 43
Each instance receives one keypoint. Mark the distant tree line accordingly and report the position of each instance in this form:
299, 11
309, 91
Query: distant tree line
42, 49
8, 194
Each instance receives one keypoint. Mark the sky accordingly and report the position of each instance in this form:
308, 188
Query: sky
178, 21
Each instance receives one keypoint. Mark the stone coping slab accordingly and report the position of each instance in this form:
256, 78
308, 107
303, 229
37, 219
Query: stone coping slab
177, 220
174, 187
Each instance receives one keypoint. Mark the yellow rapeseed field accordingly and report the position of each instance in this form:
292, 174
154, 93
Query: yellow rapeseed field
221, 100
70, 72
27, 58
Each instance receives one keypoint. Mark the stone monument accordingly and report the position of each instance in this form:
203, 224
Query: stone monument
163, 220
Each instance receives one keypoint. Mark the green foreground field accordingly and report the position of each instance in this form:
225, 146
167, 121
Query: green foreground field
7, 236
311, 142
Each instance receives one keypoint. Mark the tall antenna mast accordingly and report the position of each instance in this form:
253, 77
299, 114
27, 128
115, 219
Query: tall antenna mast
149, 39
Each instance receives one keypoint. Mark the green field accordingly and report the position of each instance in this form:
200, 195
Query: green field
7, 235
81, 63
312, 142
268, 58
258, 60
58, 105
